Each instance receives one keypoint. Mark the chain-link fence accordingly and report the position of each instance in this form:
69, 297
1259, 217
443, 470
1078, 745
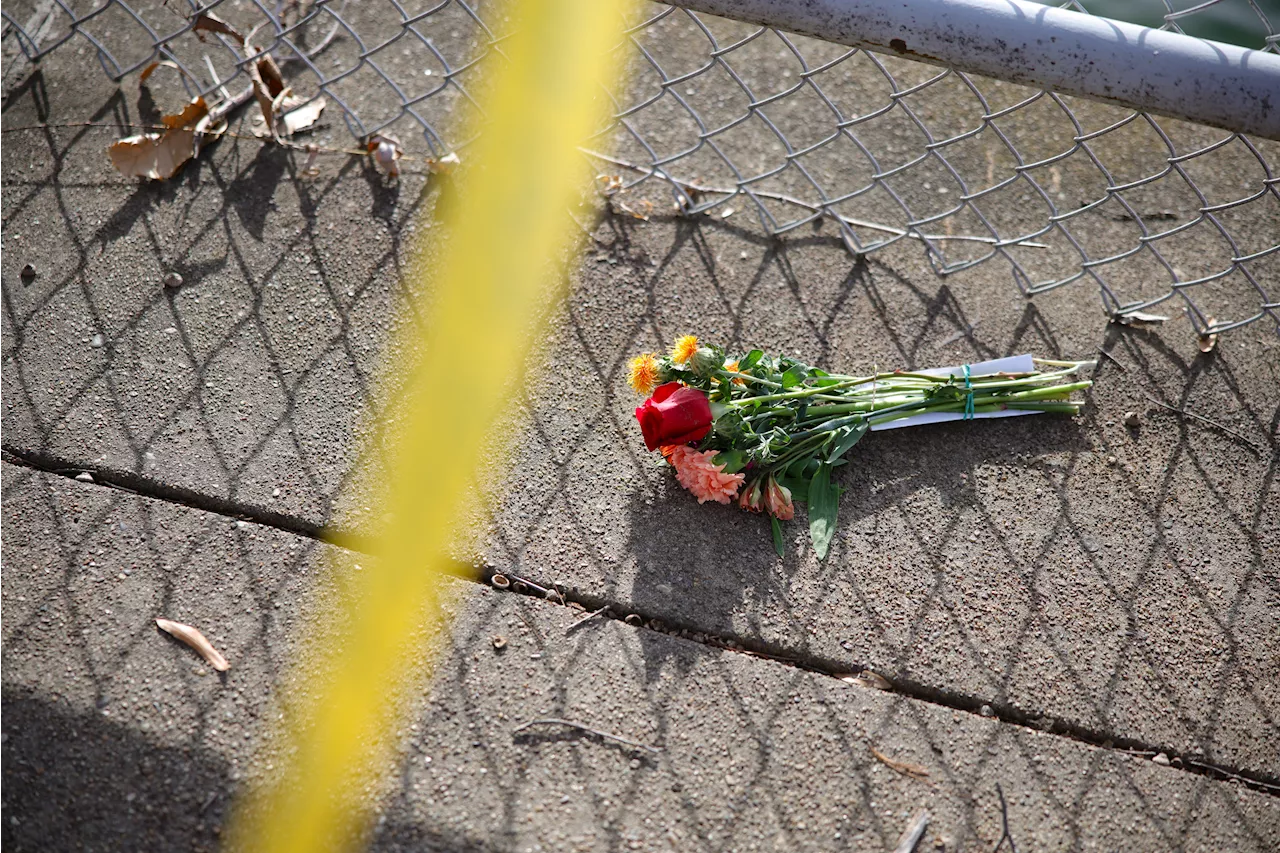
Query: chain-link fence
720, 117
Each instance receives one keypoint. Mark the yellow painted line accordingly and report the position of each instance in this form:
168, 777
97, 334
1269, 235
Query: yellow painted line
506, 228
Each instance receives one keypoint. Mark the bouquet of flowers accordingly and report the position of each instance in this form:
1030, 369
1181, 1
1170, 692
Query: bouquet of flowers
767, 431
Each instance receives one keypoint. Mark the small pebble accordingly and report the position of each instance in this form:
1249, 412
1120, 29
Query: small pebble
84, 477
172, 280
633, 619
1132, 420
499, 643
1161, 759
96, 341
987, 711
1111, 460
28, 272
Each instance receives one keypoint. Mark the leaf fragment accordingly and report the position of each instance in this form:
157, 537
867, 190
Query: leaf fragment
212, 24
193, 638
1139, 319
159, 155
1207, 342
159, 63
293, 113
778, 544
867, 678
915, 771
153, 155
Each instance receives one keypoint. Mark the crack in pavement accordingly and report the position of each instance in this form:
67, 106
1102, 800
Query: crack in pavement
1008, 713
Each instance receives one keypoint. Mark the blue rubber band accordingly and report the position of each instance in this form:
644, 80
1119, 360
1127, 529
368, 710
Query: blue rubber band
968, 400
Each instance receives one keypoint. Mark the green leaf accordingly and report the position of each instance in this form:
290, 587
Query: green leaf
777, 537
796, 468
718, 409
732, 460
846, 439
799, 487
793, 377
824, 499
751, 360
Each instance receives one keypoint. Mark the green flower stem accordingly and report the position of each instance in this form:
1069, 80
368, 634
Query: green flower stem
794, 451
750, 378
789, 395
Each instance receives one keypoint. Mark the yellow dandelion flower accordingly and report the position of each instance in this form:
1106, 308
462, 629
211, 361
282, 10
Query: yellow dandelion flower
732, 367
684, 349
643, 373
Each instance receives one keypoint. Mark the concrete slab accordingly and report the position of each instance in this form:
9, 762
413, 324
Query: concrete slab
116, 737
252, 380
1080, 575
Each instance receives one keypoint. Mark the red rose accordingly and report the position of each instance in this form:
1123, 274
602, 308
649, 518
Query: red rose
675, 414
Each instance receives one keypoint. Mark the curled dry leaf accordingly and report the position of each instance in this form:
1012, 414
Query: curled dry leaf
609, 184
160, 155
193, 638
1208, 342
212, 24
159, 63
386, 151
292, 118
445, 164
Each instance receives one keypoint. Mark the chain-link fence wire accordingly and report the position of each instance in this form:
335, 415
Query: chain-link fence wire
719, 117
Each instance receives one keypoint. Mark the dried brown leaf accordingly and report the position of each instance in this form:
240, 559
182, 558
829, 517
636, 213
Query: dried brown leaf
270, 74
190, 114
304, 116
292, 118
193, 638
1207, 343
153, 155
159, 63
212, 24
1140, 319
915, 771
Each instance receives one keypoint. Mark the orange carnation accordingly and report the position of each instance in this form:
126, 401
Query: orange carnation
697, 473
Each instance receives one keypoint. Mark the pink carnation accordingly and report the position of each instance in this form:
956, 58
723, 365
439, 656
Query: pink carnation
698, 474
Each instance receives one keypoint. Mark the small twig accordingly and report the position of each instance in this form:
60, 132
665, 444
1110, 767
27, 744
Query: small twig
1111, 358
213, 75
1004, 823
528, 583
1210, 422
915, 831
585, 619
555, 721
787, 199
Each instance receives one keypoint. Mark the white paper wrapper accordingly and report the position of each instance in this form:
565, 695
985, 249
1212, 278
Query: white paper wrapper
1012, 364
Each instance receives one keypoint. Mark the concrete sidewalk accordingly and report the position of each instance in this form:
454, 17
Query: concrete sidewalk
116, 737
1054, 602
